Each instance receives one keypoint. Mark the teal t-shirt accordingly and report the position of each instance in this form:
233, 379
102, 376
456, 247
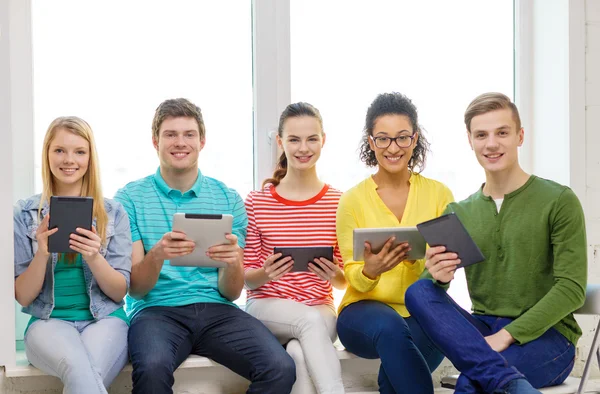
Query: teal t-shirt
71, 298
150, 203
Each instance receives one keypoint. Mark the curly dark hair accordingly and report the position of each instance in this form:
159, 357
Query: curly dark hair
394, 104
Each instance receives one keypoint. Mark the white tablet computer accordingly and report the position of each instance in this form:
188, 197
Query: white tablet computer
206, 231
377, 237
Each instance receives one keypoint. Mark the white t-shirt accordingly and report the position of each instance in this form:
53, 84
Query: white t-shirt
499, 203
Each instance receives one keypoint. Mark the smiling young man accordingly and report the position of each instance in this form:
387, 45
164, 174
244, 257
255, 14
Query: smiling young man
521, 333
178, 311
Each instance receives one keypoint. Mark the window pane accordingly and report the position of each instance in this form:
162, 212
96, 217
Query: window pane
111, 63
342, 60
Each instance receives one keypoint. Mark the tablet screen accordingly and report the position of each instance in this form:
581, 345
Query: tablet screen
304, 255
448, 230
68, 213
205, 230
377, 237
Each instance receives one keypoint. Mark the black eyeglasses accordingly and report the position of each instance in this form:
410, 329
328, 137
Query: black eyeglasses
403, 141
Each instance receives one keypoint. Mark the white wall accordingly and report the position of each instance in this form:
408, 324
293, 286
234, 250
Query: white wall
7, 331
271, 63
21, 106
550, 144
21, 97
592, 136
585, 147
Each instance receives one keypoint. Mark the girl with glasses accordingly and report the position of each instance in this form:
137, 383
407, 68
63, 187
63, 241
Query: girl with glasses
373, 320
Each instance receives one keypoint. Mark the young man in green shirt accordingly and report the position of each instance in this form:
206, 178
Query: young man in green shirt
521, 333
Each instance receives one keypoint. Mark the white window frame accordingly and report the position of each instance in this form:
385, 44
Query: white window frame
539, 77
272, 79
272, 92
6, 246
16, 118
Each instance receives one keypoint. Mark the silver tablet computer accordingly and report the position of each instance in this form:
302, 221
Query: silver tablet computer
205, 231
377, 237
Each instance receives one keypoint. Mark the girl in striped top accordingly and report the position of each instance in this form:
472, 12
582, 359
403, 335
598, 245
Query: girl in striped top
295, 208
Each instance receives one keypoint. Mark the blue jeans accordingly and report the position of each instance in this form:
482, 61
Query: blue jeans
86, 355
372, 329
546, 361
161, 338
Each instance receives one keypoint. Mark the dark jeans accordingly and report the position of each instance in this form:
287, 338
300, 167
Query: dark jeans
371, 329
546, 361
161, 338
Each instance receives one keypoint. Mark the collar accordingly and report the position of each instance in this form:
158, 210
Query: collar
373, 185
509, 195
166, 189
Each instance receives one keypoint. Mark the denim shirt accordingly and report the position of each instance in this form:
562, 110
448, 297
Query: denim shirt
116, 251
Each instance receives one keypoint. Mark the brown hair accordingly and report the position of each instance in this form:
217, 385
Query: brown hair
177, 108
488, 102
294, 110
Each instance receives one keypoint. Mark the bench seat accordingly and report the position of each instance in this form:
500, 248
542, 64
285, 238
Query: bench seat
23, 368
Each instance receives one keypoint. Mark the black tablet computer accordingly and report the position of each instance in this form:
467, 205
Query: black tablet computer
68, 214
304, 255
448, 230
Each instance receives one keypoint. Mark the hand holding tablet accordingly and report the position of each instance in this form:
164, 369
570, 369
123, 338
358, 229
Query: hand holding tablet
229, 253
173, 244
377, 237
386, 259
302, 256
451, 247
42, 235
327, 270
448, 231
204, 230
276, 266
67, 214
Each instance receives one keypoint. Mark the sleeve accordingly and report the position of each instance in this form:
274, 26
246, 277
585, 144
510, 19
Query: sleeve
240, 219
252, 258
569, 245
118, 250
123, 197
346, 222
445, 198
22, 244
425, 274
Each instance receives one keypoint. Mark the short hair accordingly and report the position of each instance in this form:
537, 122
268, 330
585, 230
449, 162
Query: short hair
177, 108
488, 102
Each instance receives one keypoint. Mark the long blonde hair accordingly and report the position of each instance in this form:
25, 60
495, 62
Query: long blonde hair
90, 186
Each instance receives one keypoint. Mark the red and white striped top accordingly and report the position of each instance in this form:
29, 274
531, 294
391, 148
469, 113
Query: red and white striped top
275, 221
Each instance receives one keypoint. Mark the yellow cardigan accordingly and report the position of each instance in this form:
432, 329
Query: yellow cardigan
361, 206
